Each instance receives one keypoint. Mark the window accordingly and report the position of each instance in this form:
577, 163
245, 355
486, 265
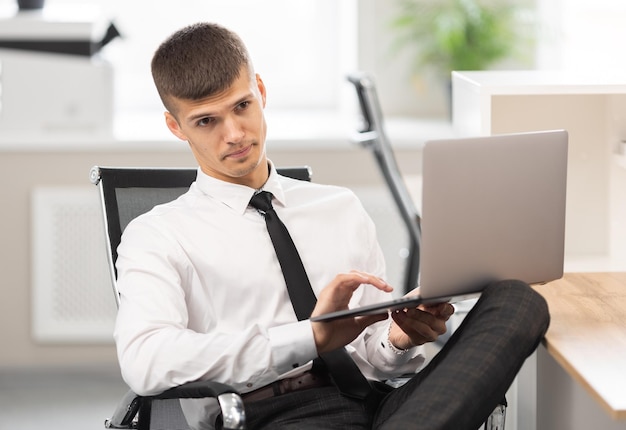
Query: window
301, 48
582, 35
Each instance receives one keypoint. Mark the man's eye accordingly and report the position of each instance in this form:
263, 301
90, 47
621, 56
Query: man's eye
202, 122
243, 105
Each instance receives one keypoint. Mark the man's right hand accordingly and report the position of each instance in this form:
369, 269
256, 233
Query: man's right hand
336, 297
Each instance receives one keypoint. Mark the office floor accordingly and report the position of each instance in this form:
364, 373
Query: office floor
66, 399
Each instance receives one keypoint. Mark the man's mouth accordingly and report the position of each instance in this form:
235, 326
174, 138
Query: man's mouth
240, 153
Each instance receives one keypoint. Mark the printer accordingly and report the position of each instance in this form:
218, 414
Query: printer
53, 82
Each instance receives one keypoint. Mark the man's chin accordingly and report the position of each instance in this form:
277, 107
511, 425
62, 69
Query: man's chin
243, 168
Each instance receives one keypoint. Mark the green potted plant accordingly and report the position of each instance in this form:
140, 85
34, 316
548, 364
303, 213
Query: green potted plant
447, 35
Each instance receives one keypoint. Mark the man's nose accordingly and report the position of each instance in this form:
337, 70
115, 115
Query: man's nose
233, 129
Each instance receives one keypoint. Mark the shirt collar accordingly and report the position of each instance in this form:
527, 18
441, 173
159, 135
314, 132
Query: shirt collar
236, 196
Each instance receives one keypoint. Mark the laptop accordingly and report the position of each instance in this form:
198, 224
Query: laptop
493, 208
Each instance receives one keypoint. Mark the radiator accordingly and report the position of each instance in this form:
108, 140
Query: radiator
72, 294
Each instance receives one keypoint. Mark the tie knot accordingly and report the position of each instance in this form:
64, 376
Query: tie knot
262, 201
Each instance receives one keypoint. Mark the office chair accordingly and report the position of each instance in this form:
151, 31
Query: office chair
125, 194
372, 136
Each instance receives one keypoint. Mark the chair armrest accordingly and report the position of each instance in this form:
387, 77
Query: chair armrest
228, 398
196, 390
125, 412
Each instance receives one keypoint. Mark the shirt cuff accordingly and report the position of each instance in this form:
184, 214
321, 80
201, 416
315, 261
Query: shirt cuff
292, 345
391, 355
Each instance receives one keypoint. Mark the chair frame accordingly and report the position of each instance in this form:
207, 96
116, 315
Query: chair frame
133, 411
372, 136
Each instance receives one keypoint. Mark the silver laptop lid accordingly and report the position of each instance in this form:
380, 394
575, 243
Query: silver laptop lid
493, 208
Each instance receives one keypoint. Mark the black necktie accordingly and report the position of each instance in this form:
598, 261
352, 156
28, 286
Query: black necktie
341, 367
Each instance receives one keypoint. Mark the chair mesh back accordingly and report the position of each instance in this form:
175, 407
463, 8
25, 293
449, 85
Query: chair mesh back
132, 202
128, 192
167, 415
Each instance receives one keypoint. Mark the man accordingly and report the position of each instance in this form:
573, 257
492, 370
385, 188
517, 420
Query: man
203, 295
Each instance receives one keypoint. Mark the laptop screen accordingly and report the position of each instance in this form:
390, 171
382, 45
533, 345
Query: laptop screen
493, 208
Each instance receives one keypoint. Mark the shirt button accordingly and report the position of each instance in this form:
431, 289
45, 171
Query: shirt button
249, 384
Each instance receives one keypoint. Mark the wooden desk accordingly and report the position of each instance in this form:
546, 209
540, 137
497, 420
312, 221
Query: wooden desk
587, 334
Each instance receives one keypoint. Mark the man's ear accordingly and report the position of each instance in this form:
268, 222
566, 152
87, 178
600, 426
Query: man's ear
174, 127
261, 87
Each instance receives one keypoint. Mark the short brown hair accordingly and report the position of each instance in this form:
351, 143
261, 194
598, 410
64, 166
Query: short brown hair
198, 61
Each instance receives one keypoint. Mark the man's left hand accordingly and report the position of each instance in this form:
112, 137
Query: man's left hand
417, 326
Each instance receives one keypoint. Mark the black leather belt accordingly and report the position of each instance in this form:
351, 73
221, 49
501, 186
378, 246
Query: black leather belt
304, 381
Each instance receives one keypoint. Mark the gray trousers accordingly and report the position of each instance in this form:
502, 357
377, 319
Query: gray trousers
458, 389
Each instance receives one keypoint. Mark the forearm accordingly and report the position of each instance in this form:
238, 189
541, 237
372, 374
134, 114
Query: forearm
157, 358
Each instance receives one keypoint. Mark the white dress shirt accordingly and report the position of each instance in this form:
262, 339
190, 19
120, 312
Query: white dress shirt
203, 296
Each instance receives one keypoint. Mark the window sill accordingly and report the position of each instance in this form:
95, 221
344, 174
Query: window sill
286, 131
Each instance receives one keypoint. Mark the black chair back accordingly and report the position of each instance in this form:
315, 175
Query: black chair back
127, 192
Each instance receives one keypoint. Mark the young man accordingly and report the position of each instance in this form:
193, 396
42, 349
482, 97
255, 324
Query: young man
203, 295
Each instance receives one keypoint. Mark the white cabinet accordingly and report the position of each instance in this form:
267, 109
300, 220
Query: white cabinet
593, 110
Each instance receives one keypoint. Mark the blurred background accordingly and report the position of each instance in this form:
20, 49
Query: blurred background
76, 91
